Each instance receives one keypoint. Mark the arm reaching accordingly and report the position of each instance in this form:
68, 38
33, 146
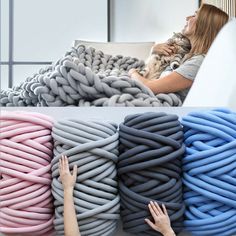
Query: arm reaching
161, 219
71, 227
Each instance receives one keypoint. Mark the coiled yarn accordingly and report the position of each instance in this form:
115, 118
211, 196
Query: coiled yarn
93, 146
25, 181
149, 168
210, 172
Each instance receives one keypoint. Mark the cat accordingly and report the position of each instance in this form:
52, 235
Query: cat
156, 64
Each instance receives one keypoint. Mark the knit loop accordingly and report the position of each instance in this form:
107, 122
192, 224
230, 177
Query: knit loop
25, 179
85, 76
92, 146
149, 168
210, 172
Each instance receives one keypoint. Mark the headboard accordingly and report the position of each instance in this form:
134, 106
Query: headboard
140, 50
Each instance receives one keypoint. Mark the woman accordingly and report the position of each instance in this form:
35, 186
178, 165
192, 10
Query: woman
71, 228
201, 29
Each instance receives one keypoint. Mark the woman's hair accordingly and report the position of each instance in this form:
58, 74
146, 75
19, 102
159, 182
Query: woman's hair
208, 24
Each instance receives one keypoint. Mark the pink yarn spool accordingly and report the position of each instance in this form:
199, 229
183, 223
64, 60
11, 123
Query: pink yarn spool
26, 203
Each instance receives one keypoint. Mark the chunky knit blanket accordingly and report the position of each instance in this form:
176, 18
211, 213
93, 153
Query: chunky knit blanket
86, 77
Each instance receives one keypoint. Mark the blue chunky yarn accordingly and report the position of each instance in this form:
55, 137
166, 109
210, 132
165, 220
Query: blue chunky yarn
209, 174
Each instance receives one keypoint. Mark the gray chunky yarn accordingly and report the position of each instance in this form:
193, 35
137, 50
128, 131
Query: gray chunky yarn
86, 77
93, 146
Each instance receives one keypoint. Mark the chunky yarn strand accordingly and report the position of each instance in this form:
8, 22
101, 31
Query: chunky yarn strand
93, 147
26, 205
209, 169
149, 168
86, 77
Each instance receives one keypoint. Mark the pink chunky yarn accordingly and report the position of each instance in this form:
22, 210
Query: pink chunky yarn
26, 206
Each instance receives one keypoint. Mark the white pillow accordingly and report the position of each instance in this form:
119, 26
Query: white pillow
215, 83
139, 50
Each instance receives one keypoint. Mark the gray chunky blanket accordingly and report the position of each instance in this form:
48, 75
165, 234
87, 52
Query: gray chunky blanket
86, 77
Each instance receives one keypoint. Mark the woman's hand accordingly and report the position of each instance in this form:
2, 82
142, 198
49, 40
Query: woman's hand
161, 218
163, 49
133, 73
68, 180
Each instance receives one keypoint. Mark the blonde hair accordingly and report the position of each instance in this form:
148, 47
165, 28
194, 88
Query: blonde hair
209, 21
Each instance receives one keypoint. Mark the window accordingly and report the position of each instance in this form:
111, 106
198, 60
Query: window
35, 33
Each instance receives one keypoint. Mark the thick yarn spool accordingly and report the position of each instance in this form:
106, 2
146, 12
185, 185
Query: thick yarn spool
26, 203
93, 147
149, 168
86, 77
209, 175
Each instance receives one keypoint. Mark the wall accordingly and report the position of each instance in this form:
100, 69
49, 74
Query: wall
149, 20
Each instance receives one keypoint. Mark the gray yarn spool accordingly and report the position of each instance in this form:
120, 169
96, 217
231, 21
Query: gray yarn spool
93, 146
149, 168
86, 77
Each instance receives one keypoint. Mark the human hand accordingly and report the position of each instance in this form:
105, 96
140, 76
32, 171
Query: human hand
68, 180
161, 219
131, 71
163, 49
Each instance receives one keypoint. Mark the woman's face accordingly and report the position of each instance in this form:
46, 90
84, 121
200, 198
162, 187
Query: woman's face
190, 25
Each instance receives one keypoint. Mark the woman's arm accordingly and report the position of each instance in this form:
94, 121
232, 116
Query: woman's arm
71, 227
162, 49
161, 219
171, 83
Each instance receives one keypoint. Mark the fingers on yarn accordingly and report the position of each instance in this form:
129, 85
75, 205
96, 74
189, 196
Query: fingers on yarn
74, 173
164, 209
152, 225
60, 166
156, 208
63, 164
66, 165
152, 211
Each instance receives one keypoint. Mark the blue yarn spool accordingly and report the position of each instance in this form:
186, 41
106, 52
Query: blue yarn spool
209, 175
